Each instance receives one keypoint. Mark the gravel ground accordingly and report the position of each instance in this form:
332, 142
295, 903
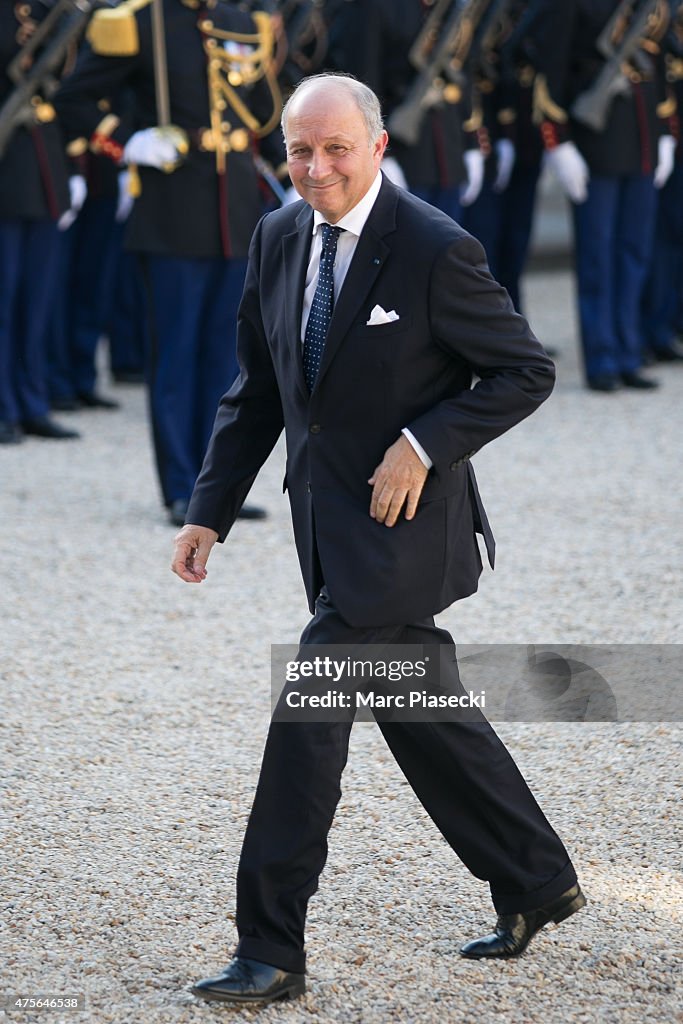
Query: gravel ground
135, 710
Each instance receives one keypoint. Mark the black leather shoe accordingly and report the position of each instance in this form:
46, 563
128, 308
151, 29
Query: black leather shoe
10, 433
65, 404
250, 981
633, 379
45, 427
91, 400
128, 376
603, 382
669, 354
252, 512
177, 511
514, 932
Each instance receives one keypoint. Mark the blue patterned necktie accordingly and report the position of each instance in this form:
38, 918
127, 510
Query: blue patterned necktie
321, 307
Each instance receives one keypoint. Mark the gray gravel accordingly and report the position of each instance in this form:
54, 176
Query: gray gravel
135, 710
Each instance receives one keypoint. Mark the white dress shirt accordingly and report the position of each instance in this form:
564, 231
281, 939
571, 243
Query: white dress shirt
352, 224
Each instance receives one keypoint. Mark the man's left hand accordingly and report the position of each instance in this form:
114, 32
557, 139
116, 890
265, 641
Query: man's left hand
397, 481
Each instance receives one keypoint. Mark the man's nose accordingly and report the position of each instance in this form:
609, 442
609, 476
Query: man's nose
319, 166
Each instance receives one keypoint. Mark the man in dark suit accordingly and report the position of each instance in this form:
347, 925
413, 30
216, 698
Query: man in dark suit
374, 392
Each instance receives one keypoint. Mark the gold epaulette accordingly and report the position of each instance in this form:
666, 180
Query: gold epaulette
113, 31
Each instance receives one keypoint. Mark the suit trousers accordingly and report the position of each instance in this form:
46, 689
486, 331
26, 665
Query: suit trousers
460, 771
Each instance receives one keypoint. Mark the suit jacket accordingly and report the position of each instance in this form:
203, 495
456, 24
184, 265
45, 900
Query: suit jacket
455, 321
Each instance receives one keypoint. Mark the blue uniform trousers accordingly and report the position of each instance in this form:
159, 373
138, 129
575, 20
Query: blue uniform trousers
445, 199
502, 222
663, 297
85, 298
127, 321
28, 265
192, 362
613, 233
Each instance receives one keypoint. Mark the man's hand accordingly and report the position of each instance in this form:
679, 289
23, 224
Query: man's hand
191, 550
398, 480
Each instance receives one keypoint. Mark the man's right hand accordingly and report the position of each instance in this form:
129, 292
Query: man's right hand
191, 550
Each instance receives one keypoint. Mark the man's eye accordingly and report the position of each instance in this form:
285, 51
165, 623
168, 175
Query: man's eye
297, 152
337, 149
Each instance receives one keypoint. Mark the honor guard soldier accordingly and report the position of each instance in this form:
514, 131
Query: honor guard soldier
205, 91
34, 194
603, 113
82, 308
501, 217
393, 46
663, 299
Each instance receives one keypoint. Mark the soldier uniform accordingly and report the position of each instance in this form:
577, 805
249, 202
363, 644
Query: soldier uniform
614, 223
88, 266
663, 298
371, 39
192, 226
34, 193
501, 216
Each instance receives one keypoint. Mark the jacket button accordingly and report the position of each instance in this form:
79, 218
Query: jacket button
308, 486
315, 428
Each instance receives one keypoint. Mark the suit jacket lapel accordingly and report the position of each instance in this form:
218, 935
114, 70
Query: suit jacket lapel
295, 251
368, 259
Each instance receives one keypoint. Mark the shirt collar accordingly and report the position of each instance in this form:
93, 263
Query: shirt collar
354, 220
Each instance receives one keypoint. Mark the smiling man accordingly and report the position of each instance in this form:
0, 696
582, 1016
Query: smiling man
366, 315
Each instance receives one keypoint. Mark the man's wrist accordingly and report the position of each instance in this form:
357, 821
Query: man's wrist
419, 450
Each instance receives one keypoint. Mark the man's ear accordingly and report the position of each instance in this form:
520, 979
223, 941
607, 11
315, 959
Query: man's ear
381, 144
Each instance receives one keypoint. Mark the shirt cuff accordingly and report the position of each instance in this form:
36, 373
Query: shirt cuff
424, 458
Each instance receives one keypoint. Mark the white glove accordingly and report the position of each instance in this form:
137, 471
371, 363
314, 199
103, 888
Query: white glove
665, 160
78, 190
151, 148
125, 201
505, 156
474, 166
394, 172
571, 170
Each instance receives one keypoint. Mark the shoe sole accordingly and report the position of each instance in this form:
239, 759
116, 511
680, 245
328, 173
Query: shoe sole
292, 992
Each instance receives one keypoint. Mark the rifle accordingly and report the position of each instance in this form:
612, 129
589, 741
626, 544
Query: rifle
488, 39
592, 106
439, 54
59, 29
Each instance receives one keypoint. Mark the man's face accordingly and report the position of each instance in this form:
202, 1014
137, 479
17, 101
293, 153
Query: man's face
331, 160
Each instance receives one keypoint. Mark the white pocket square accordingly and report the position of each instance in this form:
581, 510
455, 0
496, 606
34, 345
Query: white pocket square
380, 316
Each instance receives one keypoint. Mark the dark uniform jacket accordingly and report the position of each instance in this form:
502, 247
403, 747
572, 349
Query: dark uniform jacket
565, 35
371, 39
505, 80
454, 321
193, 211
34, 171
